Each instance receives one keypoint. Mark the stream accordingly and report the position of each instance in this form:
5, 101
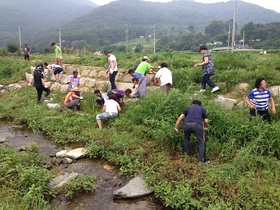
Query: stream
102, 197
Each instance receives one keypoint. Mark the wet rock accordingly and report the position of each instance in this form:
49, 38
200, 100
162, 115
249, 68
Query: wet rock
68, 160
77, 153
61, 153
136, 188
108, 167
61, 180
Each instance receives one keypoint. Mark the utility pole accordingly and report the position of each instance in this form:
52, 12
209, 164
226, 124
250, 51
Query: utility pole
243, 39
19, 37
233, 26
126, 37
229, 26
154, 39
59, 34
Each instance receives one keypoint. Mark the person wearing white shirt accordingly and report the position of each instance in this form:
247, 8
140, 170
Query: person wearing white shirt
164, 77
110, 109
112, 68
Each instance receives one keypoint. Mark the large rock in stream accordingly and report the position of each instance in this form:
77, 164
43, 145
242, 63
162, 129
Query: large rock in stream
135, 188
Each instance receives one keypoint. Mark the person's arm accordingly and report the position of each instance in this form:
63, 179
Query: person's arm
119, 108
205, 124
76, 96
273, 109
139, 81
247, 100
182, 116
104, 108
205, 61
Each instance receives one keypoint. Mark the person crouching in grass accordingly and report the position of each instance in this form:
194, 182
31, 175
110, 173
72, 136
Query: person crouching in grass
110, 109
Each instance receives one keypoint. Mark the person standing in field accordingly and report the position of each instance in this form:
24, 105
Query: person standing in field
164, 77
258, 98
208, 69
58, 54
194, 116
112, 68
26, 52
39, 82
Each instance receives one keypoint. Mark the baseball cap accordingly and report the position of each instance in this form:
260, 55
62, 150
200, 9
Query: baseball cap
106, 52
145, 58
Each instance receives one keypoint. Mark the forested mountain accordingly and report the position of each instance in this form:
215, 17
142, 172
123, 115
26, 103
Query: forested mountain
36, 16
106, 24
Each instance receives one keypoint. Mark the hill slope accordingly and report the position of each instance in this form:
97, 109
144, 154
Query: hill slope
35, 16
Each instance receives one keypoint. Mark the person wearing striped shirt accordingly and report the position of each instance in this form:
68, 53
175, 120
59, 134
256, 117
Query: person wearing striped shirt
258, 98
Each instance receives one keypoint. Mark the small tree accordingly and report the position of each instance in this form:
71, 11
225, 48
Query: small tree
12, 47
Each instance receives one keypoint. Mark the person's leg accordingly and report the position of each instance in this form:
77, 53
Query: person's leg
187, 131
142, 88
208, 81
199, 133
203, 82
265, 115
39, 94
47, 90
112, 79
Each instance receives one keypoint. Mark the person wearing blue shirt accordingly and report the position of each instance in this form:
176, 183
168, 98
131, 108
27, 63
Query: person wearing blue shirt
196, 122
140, 81
258, 98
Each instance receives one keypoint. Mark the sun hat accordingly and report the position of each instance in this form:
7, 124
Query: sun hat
76, 89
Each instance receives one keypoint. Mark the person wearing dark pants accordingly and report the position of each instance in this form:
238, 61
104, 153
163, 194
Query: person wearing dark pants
112, 68
208, 69
39, 82
257, 100
194, 115
112, 79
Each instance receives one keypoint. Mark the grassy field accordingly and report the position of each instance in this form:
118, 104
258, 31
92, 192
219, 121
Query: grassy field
244, 154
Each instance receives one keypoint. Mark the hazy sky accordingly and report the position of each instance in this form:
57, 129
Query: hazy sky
268, 4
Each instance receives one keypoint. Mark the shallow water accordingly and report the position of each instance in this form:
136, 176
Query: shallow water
102, 197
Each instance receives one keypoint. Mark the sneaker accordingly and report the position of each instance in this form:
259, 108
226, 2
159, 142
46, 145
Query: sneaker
202, 90
215, 89
203, 163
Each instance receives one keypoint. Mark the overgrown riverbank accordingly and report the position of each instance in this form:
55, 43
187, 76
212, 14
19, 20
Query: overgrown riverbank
244, 169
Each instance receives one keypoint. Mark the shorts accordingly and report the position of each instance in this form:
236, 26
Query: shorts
57, 70
106, 115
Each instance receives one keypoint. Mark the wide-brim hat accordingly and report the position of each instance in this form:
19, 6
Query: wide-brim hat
145, 58
76, 89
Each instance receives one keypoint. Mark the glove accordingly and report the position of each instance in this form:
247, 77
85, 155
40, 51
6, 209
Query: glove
81, 97
60, 57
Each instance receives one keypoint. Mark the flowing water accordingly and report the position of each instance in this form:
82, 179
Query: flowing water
102, 197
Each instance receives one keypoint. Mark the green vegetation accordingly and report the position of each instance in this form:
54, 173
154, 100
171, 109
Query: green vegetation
244, 170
